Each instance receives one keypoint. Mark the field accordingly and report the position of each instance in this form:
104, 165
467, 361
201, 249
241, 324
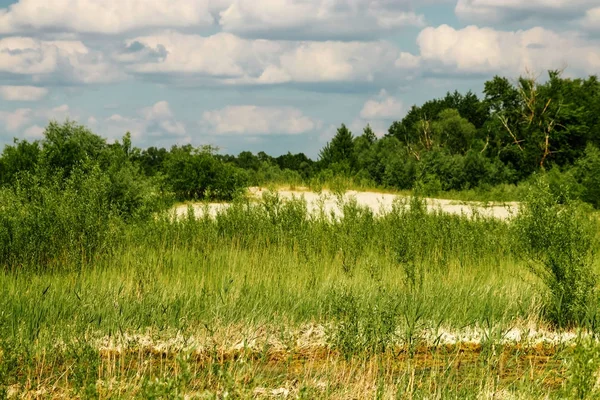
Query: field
275, 297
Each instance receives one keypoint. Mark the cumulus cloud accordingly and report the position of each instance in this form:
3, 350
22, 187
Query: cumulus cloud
383, 106
60, 113
378, 126
591, 21
378, 112
23, 93
407, 61
155, 121
255, 120
520, 10
218, 55
317, 19
56, 61
488, 51
34, 132
106, 16
265, 18
14, 121
233, 60
331, 61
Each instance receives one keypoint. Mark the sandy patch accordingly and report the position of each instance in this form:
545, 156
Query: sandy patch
379, 203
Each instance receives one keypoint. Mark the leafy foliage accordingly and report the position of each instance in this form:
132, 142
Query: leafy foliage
557, 239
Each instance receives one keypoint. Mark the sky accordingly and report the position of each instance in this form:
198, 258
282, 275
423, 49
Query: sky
268, 75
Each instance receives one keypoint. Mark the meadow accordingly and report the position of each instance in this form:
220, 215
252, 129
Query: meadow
269, 300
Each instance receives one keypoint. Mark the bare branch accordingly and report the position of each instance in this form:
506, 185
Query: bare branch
505, 123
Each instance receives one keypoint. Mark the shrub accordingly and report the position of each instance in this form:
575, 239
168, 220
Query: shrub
362, 327
556, 237
587, 171
55, 223
198, 174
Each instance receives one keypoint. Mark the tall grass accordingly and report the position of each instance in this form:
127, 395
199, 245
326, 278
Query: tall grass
257, 271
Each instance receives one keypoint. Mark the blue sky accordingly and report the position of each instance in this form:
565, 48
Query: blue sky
271, 75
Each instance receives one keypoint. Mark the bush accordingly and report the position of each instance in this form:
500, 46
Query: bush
587, 172
556, 237
361, 327
198, 174
55, 223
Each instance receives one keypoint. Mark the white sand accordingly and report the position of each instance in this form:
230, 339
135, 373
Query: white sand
380, 203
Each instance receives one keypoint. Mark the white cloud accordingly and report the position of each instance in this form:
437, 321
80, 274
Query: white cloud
591, 20
264, 18
156, 121
383, 106
22, 93
160, 110
407, 61
153, 121
255, 120
60, 113
378, 112
331, 62
519, 10
446, 50
218, 55
105, 16
378, 126
14, 120
34, 132
59, 60
161, 114
317, 18
232, 60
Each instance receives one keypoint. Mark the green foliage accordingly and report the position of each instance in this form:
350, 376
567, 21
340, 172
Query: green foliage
557, 237
85, 369
86, 251
360, 328
455, 143
339, 154
195, 173
19, 158
453, 131
587, 173
582, 369
67, 145
56, 224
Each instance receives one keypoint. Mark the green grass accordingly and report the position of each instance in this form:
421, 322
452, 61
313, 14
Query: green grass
204, 307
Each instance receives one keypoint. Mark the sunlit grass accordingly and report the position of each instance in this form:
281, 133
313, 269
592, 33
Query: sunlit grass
208, 306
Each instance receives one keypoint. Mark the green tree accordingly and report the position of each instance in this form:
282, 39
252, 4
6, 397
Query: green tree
339, 153
369, 135
66, 145
363, 150
453, 132
195, 173
23, 156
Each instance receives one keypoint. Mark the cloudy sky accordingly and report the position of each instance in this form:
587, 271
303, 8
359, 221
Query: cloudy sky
272, 75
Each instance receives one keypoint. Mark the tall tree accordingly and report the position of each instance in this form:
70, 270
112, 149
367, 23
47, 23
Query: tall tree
340, 151
22, 156
453, 132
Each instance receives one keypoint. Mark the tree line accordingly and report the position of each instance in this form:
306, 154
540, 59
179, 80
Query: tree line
457, 142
